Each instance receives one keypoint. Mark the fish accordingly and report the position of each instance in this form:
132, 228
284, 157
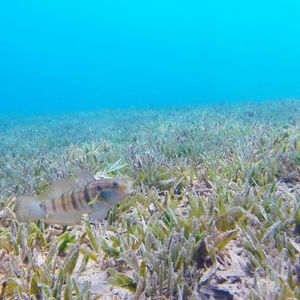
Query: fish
65, 201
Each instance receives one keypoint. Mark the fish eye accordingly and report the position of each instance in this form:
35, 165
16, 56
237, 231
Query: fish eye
115, 184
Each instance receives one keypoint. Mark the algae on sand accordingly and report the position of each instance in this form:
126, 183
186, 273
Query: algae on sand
215, 214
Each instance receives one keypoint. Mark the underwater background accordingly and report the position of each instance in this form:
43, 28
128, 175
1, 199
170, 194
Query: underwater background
78, 55
194, 106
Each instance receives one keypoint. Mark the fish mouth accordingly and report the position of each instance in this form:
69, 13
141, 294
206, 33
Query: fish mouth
119, 196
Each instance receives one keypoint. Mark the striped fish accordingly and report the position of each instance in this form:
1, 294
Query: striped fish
65, 201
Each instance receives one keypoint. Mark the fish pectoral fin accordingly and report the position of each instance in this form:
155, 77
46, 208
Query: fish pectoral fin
84, 177
58, 188
63, 218
99, 214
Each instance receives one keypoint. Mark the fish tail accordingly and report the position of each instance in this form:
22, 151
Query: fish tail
29, 209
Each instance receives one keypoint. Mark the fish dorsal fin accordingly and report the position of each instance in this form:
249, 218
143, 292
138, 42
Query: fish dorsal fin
58, 188
84, 178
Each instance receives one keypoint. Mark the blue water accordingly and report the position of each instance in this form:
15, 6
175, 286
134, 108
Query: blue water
83, 55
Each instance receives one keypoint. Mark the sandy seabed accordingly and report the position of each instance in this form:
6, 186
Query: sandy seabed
215, 214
